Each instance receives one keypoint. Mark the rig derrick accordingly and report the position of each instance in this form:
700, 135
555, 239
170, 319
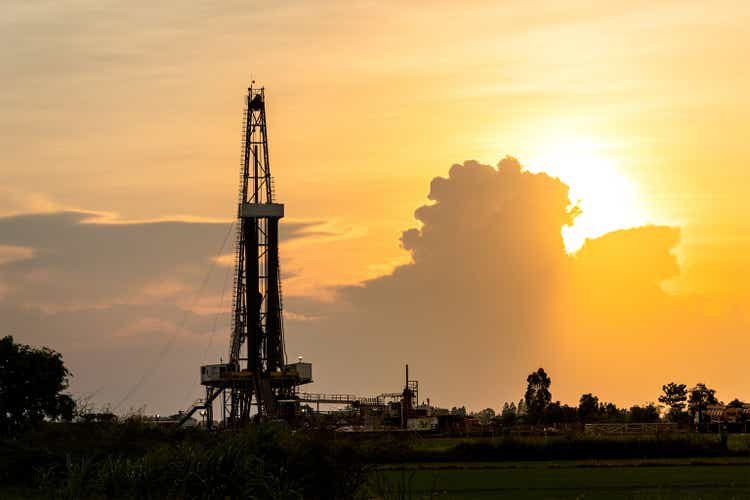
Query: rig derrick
256, 383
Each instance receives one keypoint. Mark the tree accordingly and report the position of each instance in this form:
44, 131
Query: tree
588, 408
485, 416
644, 414
675, 396
508, 416
699, 399
537, 396
609, 412
557, 413
521, 410
735, 403
31, 385
458, 411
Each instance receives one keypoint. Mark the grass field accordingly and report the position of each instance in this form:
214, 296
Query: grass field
134, 460
735, 442
654, 479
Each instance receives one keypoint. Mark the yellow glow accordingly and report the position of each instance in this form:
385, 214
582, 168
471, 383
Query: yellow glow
608, 199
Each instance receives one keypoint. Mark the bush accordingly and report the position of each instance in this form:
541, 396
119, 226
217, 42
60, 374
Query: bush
132, 460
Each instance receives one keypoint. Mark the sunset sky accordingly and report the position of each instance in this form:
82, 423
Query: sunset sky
117, 116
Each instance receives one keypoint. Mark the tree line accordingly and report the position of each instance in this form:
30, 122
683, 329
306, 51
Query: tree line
682, 405
33, 381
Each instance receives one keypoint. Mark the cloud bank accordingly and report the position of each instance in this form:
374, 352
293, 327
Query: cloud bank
490, 294
121, 299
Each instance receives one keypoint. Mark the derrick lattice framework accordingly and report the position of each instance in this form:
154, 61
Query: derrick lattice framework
256, 382
257, 341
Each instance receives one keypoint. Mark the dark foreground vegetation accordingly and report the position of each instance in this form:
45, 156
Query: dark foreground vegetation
52, 448
137, 460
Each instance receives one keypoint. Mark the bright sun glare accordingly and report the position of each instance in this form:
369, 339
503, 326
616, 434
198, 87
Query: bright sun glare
608, 199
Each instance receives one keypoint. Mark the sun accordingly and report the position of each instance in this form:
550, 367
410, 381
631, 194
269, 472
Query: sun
607, 197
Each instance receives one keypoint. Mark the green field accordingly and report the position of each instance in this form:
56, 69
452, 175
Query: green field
655, 479
735, 442
136, 460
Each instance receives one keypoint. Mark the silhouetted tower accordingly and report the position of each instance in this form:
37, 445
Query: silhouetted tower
257, 321
256, 376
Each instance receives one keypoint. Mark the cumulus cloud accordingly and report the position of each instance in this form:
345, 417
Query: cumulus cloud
488, 265
491, 294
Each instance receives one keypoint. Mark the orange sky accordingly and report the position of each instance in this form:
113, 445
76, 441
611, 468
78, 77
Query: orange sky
134, 111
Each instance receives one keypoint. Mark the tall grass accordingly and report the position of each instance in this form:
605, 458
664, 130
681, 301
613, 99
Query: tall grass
133, 460
264, 462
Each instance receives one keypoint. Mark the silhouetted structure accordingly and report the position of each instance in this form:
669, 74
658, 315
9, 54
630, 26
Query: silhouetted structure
256, 381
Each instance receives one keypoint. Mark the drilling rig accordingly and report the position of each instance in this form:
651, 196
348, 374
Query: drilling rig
256, 383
